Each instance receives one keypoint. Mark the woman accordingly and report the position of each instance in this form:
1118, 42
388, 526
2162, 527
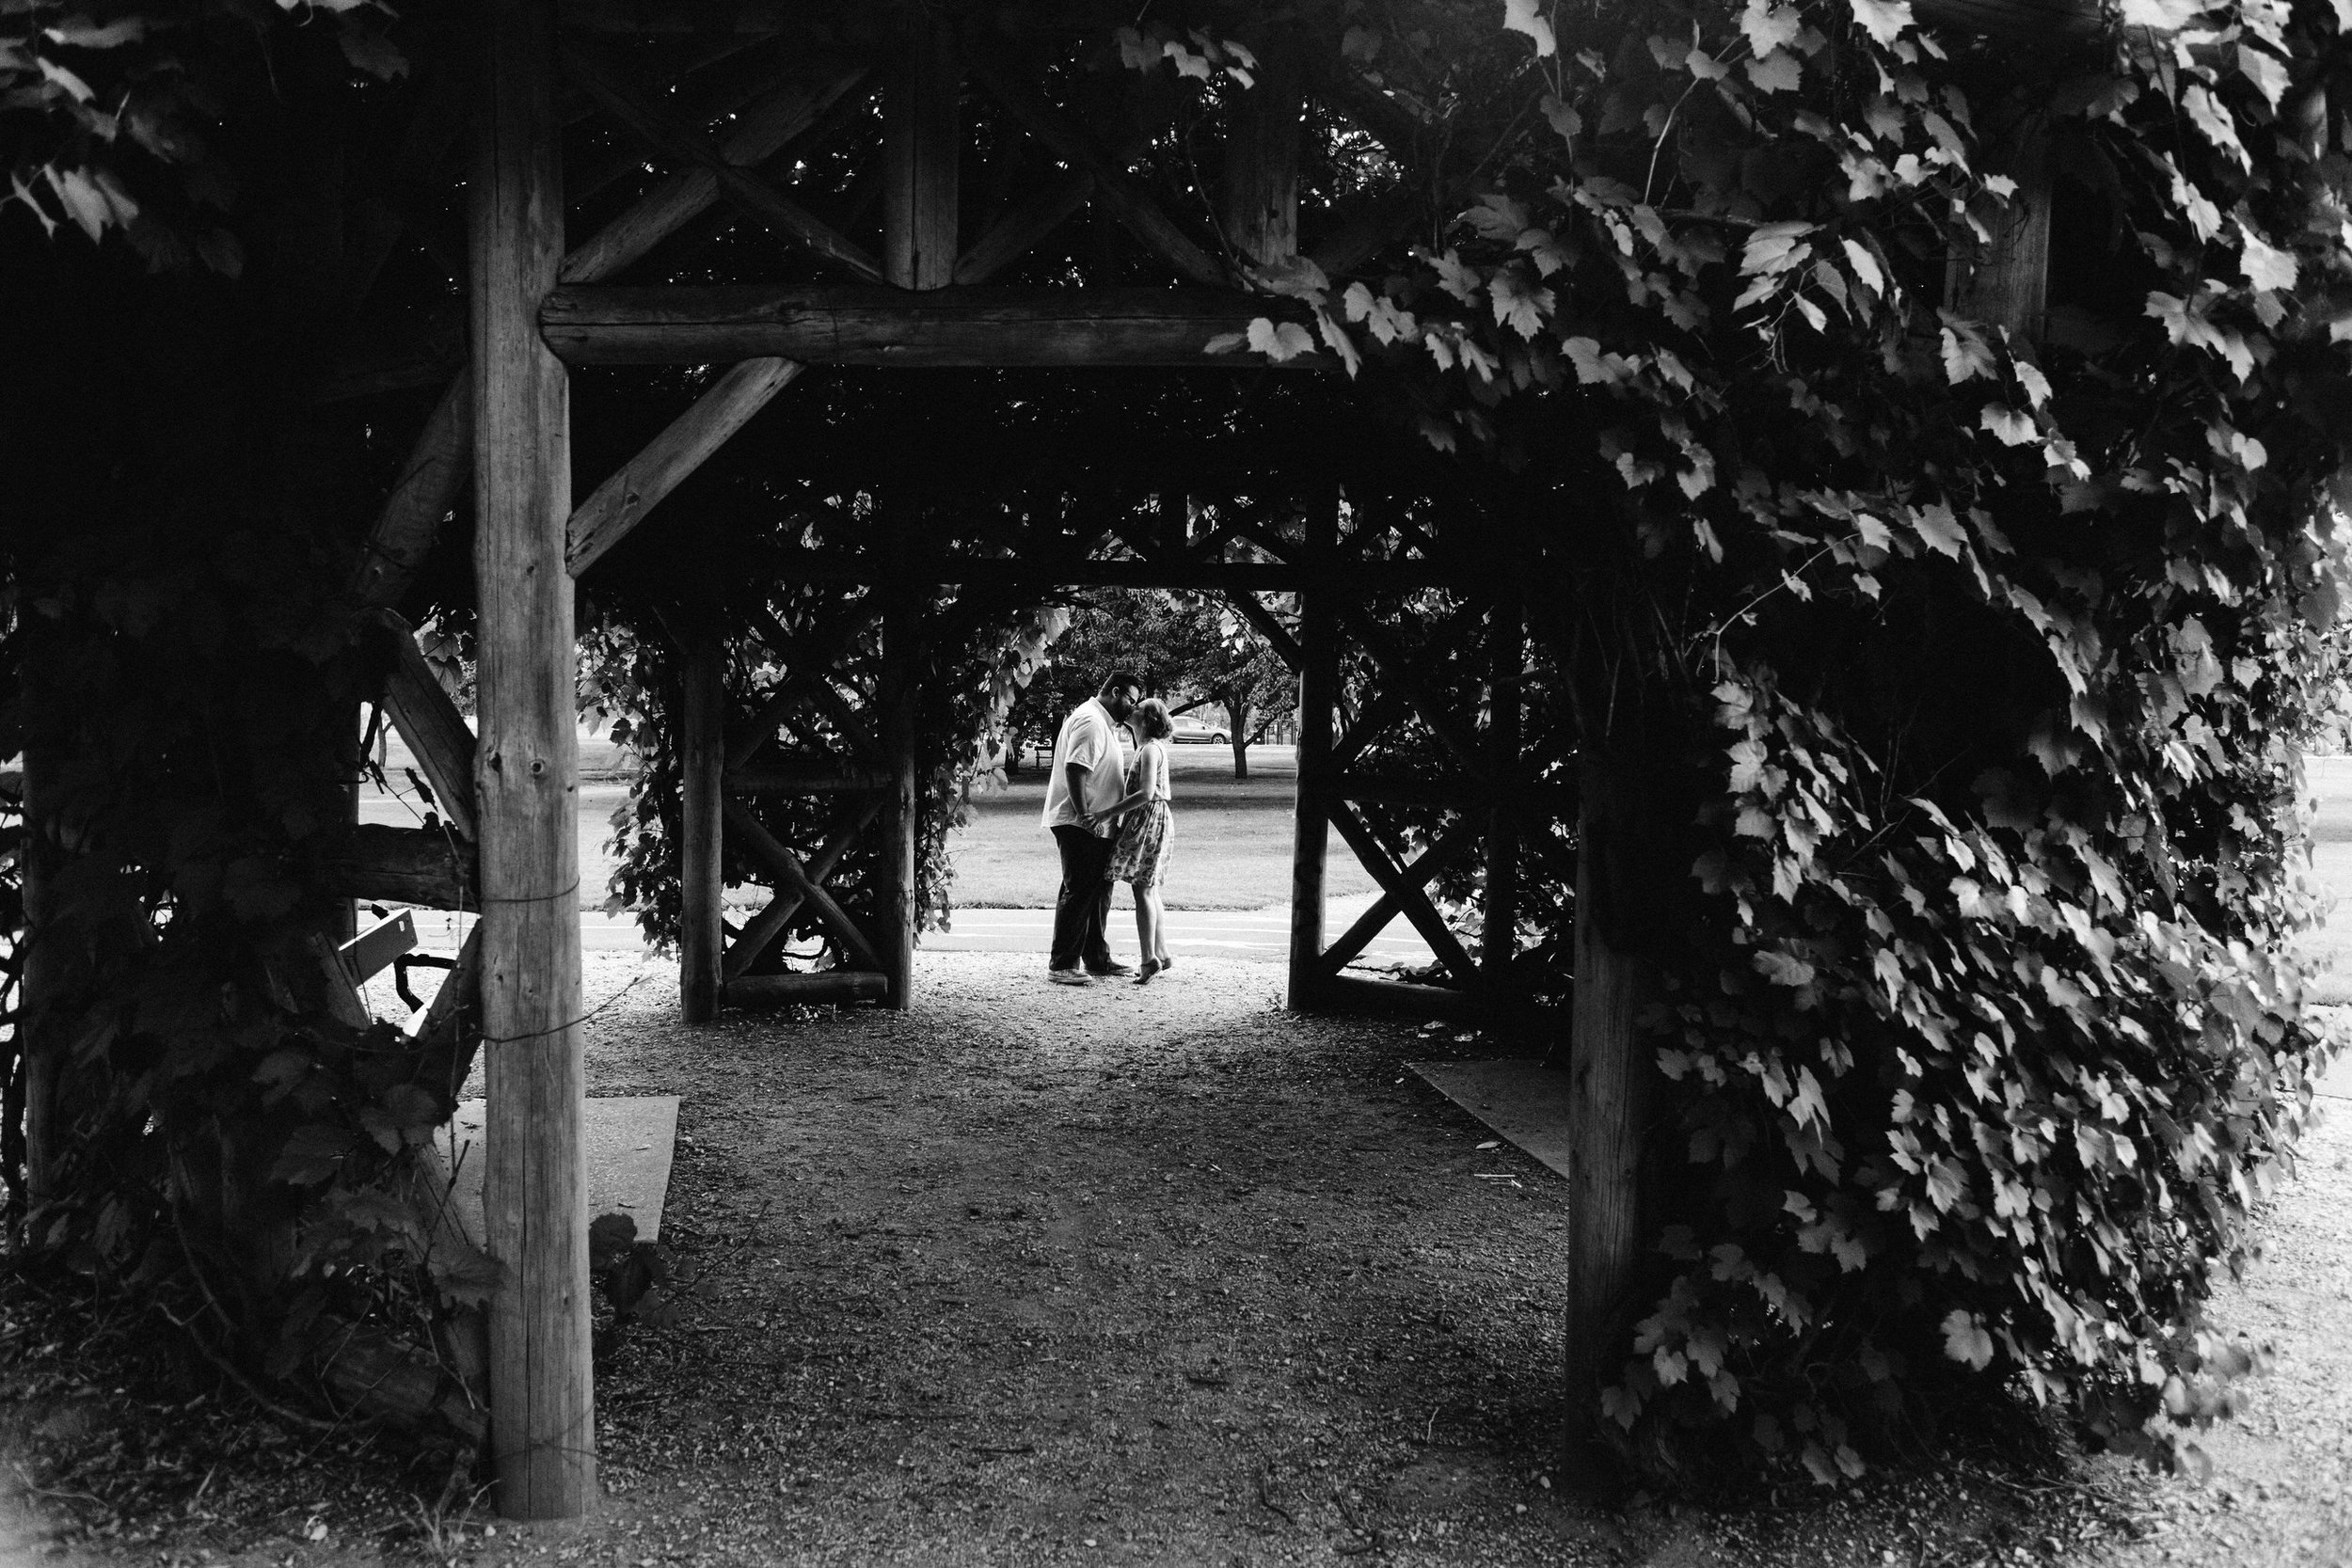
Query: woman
1146, 830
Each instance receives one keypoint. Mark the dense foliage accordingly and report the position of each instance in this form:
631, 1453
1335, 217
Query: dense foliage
976, 654
1989, 644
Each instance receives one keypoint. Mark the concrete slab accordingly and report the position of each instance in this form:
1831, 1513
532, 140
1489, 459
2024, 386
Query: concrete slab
2336, 1083
629, 1140
1519, 1098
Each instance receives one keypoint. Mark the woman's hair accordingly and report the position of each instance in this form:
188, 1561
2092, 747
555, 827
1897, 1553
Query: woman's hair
1152, 719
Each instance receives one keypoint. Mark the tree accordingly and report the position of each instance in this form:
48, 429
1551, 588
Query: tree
1190, 649
1224, 660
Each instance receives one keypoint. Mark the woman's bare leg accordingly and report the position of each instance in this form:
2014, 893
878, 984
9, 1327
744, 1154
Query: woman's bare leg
1159, 922
1143, 925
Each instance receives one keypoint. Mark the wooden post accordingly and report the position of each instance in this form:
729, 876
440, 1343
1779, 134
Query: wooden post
894, 911
526, 785
1318, 690
703, 753
2007, 282
1606, 1104
922, 158
1498, 942
1258, 202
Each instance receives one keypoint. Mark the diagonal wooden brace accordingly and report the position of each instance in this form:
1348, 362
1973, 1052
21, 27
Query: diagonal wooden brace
1410, 901
792, 877
809, 684
1029, 220
1448, 848
621, 502
779, 911
436, 474
1432, 708
617, 96
1386, 706
431, 727
1278, 636
1114, 187
759, 133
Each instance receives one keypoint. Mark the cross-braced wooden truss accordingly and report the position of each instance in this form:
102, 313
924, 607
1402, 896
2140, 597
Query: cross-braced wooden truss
766, 187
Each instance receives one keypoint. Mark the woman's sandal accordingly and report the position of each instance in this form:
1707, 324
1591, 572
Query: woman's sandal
1150, 967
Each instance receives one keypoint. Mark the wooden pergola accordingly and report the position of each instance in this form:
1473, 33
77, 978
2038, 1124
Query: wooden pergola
720, 140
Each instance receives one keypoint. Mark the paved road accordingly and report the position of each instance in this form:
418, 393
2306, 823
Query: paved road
1262, 935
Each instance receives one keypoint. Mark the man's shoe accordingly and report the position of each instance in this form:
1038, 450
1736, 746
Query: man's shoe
1111, 970
1068, 978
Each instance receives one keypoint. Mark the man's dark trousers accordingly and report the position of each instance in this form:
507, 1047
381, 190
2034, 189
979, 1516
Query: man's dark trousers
1084, 904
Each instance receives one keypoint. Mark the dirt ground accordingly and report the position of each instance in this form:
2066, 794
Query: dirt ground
1124, 1274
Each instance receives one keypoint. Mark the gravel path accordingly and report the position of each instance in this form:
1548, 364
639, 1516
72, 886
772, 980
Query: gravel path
1154, 1275
2281, 1488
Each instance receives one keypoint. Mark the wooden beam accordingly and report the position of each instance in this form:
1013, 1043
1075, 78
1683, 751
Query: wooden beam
1257, 197
1114, 187
427, 866
1113, 326
1358, 993
448, 1033
1310, 840
1410, 901
1278, 636
701, 755
436, 732
1449, 848
762, 846
784, 904
527, 781
1388, 705
811, 991
621, 502
430, 483
807, 774
721, 89
759, 133
661, 130
922, 159
1023, 225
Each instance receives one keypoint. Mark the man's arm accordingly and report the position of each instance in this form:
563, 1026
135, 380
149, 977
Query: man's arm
1075, 774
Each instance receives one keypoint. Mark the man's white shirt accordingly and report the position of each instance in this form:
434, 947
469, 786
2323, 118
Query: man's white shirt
1090, 739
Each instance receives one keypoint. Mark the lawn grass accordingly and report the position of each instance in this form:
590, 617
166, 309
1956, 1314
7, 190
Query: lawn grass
1233, 838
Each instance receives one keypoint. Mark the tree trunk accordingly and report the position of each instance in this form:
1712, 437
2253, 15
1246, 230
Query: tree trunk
1238, 736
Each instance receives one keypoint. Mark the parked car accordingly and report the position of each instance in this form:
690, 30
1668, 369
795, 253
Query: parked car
1189, 728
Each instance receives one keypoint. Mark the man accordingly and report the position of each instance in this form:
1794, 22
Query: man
1088, 777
